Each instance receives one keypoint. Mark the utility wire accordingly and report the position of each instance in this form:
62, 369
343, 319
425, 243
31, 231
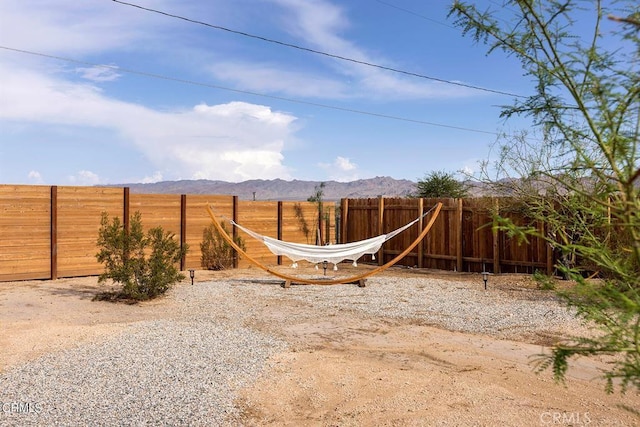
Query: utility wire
212, 86
306, 49
426, 18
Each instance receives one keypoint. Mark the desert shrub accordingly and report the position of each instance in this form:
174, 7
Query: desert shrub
577, 167
145, 265
217, 253
440, 184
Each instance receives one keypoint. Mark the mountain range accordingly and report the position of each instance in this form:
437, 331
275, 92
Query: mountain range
278, 189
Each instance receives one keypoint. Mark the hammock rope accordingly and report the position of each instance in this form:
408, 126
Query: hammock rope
357, 278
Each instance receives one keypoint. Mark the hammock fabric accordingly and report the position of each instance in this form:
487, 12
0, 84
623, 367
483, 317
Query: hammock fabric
330, 253
310, 281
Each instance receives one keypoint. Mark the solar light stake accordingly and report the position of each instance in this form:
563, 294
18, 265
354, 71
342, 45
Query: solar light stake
485, 275
192, 274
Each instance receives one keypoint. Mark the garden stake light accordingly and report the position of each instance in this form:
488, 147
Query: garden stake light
485, 275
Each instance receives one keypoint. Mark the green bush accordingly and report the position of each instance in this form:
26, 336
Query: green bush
217, 253
145, 265
440, 184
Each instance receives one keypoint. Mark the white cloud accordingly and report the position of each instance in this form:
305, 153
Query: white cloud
471, 167
233, 141
321, 24
99, 74
35, 177
342, 169
345, 164
156, 177
271, 78
243, 140
467, 170
74, 27
84, 177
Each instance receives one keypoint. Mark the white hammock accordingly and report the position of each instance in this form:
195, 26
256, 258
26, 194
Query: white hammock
333, 254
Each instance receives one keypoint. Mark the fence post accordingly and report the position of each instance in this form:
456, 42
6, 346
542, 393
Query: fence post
326, 214
320, 230
125, 208
380, 228
496, 243
459, 237
279, 228
344, 213
234, 215
550, 258
420, 226
53, 232
183, 228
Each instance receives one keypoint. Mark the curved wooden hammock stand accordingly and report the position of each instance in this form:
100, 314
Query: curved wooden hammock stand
354, 279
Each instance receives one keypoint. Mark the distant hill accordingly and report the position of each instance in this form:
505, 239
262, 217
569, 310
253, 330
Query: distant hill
278, 189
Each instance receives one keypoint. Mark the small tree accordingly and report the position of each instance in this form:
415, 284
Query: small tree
441, 184
580, 173
302, 222
217, 253
124, 254
318, 198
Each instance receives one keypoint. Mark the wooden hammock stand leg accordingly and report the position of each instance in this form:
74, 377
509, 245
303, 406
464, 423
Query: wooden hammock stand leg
359, 279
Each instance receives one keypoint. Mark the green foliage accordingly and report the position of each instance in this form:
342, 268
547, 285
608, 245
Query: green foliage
318, 198
217, 253
318, 194
124, 255
440, 184
578, 173
302, 222
544, 282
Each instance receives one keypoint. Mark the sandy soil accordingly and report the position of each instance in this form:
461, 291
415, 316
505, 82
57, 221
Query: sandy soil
343, 369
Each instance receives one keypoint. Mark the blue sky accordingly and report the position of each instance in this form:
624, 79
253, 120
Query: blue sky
179, 100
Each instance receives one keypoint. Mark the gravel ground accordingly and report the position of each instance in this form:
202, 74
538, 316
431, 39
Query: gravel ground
456, 306
187, 368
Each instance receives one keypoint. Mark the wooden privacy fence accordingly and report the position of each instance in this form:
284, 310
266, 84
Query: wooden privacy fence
462, 239
49, 232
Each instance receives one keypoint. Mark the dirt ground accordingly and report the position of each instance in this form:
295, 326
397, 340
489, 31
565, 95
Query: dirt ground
341, 369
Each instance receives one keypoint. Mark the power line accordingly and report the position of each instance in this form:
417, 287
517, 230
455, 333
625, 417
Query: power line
306, 49
212, 86
426, 18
